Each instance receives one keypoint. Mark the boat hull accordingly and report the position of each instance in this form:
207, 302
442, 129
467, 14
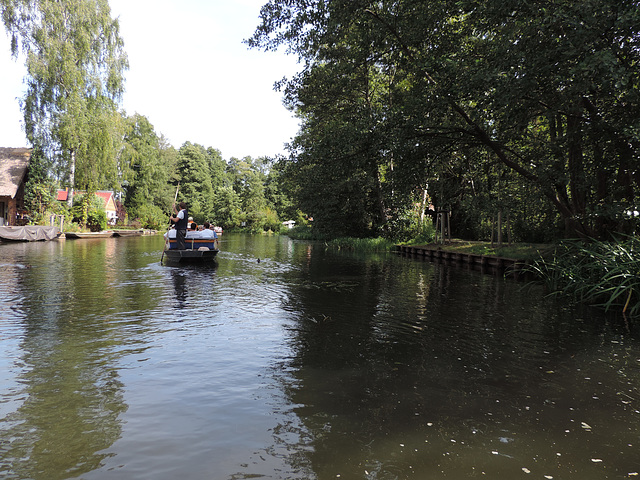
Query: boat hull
29, 233
190, 256
104, 234
128, 233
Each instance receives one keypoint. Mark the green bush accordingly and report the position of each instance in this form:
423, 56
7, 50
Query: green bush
426, 233
89, 211
303, 232
152, 216
97, 220
271, 220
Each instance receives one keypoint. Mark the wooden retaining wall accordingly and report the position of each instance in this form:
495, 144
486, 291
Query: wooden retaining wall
483, 263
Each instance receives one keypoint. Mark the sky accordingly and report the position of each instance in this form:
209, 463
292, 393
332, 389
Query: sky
189, 74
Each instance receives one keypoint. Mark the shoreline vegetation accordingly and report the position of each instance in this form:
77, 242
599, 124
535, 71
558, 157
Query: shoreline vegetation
599, 273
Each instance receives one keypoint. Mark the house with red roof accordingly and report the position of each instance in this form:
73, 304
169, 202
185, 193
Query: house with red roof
105, 195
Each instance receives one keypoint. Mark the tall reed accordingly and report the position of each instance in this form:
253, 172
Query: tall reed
378, 244
606, 274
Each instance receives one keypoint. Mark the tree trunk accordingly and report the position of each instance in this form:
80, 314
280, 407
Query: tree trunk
423, 206
575, 158
72, 177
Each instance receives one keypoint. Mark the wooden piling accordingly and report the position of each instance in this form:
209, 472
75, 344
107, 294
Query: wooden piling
507, 266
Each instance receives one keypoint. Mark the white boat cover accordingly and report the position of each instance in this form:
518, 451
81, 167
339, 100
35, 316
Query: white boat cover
29, 233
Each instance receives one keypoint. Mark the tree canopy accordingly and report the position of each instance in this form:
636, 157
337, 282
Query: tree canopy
75, 61
501, 102
531, 110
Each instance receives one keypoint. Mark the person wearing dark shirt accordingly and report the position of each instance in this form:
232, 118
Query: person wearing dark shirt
180, 220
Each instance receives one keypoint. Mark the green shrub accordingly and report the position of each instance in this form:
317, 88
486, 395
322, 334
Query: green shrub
303, 232
97, 220
89, 211
152, 216
271, 221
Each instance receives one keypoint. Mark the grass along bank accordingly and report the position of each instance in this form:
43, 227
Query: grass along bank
515, 251
378, 244
603, 274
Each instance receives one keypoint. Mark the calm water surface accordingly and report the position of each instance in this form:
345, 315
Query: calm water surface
309, 364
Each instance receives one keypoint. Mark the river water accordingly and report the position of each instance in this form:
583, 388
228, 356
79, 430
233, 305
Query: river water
310, 364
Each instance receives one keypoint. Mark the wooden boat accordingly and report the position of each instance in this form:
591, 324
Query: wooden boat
191, 256
103, 234
128, 233
199, 250
28, 233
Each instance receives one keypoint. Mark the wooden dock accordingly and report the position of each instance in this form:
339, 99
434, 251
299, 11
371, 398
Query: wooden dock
483, 263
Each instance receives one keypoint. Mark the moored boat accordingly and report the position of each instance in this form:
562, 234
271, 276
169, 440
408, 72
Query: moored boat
128, 233
103, 234
28, 233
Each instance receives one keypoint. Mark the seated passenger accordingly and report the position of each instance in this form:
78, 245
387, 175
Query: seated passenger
170, 234
193, 232
207, 232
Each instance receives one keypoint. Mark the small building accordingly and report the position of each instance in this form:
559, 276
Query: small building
109, 205
105, 195
14, 166
289, 224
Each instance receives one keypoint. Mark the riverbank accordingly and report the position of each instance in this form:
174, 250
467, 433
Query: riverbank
519, 251
516, 251
514, 261
602, 274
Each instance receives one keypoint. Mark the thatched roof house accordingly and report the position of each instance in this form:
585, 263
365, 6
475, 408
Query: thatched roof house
14, 164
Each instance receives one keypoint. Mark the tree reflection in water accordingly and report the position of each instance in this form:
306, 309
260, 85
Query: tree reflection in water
414, 368
309, 364
68, 353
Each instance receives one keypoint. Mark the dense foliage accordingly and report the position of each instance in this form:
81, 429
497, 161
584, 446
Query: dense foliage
527, 108
601, 273
231, 193
527, 112
88, 210
75, 62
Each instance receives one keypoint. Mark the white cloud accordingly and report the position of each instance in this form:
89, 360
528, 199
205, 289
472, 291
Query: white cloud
11, 89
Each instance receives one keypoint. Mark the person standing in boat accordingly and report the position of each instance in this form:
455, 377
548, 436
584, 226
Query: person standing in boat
180, 220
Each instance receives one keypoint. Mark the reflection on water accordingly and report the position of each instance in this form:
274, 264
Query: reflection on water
307, 364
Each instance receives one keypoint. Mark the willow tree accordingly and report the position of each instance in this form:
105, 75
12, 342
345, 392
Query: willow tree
75, 62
